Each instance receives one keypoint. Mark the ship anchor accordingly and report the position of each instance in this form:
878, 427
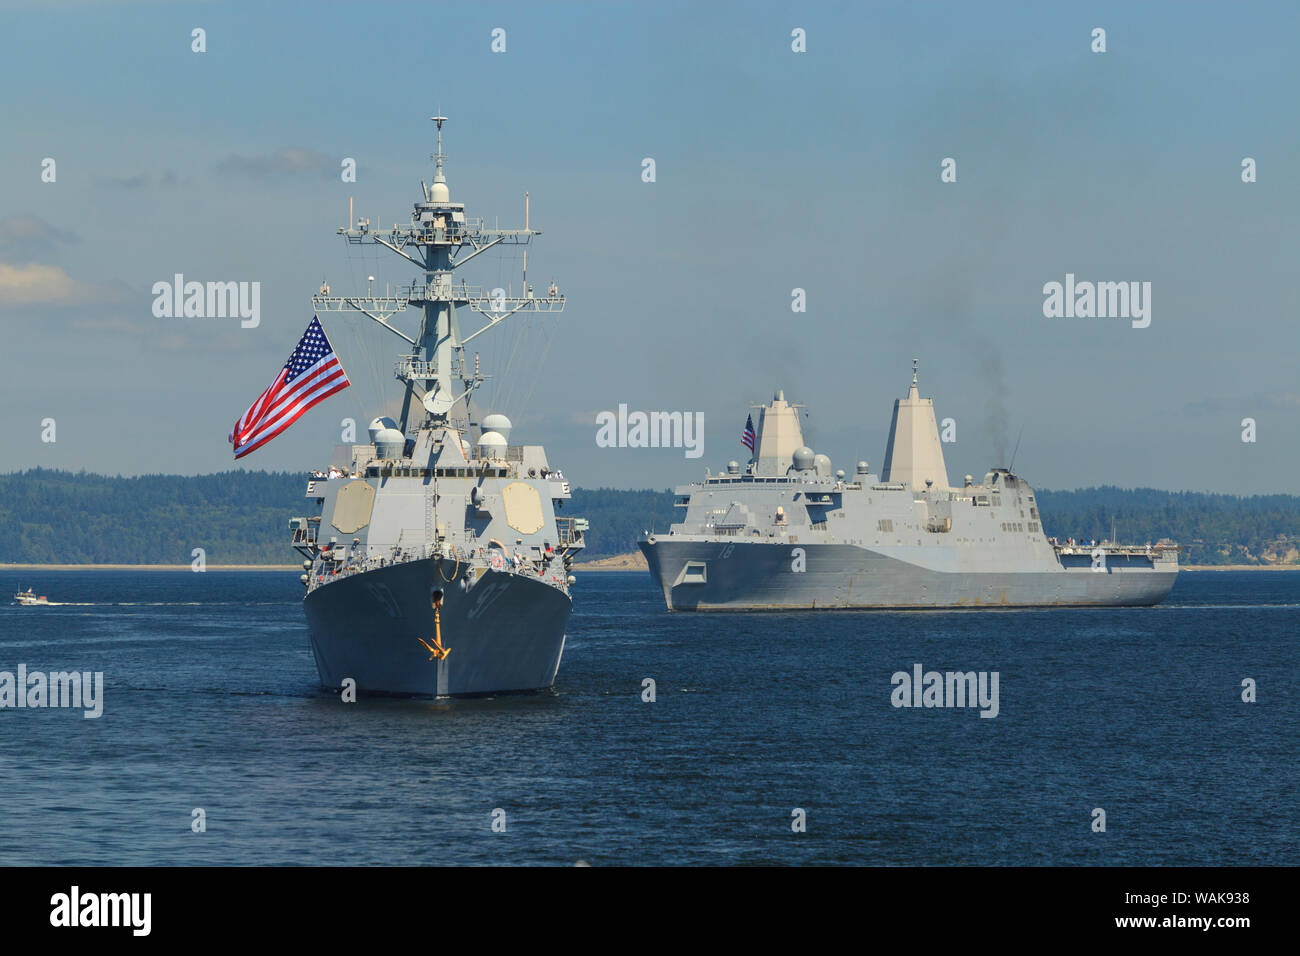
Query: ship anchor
436, 650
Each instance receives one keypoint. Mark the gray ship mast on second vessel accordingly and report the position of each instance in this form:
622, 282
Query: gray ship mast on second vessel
438, 563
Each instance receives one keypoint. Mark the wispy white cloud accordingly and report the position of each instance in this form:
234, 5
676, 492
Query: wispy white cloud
138, 180
35, 284
23, 238
114, 325
285, 162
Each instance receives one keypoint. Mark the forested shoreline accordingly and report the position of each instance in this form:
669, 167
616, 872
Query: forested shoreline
241, 517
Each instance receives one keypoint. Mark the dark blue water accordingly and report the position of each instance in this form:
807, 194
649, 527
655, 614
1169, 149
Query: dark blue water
211, 701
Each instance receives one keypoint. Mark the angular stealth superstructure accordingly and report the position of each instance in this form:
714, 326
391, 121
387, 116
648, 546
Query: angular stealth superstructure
438, 564
913, 454
778, 438
786, 533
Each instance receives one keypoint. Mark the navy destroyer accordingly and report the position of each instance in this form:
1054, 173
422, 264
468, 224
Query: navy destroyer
437, 563
786, 532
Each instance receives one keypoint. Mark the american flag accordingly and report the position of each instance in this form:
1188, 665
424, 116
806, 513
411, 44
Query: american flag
311, 375
747, 436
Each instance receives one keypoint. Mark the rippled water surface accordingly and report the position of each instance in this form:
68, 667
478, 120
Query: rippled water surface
211, 700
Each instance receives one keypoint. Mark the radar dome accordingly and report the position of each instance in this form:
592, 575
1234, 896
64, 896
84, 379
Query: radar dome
387, 438
803, 458
439, 192
492, 445
379, 424
497, 422
822, 464
733, 467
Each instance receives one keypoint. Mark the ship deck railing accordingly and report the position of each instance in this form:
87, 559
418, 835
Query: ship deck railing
567, 533
1111, 548
450, 231
828, 483
328, 568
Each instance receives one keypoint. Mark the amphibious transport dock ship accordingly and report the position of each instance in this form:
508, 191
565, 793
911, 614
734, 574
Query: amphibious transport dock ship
787, 533
437, 563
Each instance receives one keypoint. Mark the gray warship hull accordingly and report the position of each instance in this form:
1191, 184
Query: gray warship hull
505, 631
436, 562
743, 576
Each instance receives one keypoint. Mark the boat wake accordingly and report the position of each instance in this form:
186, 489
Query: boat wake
1220, 607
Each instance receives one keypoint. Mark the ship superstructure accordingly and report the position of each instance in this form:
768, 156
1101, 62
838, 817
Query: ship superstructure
29, 598
786, 532
438, 563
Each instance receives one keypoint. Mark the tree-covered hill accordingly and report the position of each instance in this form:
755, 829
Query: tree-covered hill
1212, 529
61, 517
618, 518
240, 517
237, 517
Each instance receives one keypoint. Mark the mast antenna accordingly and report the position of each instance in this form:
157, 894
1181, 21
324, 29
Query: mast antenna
525, 286
439, 156
1012, 467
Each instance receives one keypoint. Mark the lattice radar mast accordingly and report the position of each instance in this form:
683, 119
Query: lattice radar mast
439, 240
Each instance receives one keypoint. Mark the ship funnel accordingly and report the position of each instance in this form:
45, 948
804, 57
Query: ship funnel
914, 453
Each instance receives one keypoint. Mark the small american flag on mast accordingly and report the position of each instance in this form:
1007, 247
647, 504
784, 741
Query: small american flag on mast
311, 375
747, 436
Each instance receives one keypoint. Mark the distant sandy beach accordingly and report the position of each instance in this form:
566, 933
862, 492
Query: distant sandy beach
1240, 567
632, 561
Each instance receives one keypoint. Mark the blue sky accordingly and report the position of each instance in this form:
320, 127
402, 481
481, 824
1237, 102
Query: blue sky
775, 170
